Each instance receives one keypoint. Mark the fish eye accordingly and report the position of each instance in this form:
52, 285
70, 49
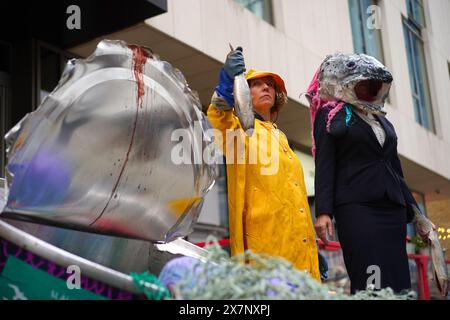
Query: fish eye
351, 65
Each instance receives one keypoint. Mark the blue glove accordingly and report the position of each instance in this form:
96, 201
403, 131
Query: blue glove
234, 65
225, 87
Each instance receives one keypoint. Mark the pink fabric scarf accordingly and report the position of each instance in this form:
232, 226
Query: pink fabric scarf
333, 106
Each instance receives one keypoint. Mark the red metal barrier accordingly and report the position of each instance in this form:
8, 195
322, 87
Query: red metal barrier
223, 242
422, 275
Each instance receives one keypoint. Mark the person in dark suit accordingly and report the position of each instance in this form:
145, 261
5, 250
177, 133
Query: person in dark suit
359, 179
359, 182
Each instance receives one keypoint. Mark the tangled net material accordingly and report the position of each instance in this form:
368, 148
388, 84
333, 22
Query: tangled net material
264, 277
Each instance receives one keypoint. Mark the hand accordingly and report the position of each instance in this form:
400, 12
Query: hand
322, 226
234, 65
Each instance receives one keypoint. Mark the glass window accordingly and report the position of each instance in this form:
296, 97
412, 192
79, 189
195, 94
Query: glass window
308, 165
4, 97
223, 195
5, 69
213, 219
261, 8
415, 12
365, 40
50, 71
418, 74
52, 62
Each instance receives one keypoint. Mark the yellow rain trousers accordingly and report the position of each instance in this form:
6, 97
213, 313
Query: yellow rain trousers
267, 199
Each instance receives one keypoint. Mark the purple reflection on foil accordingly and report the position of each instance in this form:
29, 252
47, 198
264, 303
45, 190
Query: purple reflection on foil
43, 181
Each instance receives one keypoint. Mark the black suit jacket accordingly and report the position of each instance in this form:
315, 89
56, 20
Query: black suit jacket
352, 167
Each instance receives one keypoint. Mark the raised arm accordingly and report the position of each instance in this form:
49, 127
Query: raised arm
220, 112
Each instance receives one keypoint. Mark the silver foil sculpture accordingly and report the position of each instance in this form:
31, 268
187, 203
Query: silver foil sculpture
97, 155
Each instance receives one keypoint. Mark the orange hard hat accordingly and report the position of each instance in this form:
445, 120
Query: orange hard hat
256, 74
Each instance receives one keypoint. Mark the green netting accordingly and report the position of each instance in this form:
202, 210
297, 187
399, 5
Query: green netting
150, 285
264, 277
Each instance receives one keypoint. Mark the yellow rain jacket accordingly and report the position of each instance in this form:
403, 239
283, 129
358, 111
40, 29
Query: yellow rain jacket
268, 212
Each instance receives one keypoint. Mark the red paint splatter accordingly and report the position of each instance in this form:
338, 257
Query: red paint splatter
140, 56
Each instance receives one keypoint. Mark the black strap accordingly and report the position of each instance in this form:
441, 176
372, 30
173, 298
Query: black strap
258, 116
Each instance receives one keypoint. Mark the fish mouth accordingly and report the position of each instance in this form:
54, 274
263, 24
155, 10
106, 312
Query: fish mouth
369, 94
368, 90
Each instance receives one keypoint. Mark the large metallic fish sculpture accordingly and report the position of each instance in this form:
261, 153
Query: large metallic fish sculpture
100, 154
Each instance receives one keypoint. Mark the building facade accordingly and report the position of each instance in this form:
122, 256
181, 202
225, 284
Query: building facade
292, 37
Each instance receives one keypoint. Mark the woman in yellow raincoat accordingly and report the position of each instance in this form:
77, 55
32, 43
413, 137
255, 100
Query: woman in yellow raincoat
267, 201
